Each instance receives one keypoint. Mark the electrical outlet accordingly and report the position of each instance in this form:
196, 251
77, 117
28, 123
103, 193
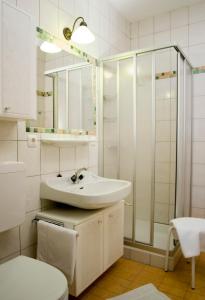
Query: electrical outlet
32, 141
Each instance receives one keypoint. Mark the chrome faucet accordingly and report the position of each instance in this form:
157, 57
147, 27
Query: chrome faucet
77, 176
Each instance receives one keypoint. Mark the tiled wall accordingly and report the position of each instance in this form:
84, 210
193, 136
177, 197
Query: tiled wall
186, 27
112, 36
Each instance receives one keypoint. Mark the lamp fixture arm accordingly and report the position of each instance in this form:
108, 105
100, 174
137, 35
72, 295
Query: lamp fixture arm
76, 20
67, 32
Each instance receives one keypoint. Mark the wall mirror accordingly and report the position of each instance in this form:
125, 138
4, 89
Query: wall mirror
66, 87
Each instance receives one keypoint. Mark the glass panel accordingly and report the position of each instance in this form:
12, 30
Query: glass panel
60, 100
144, 149
126, 134
110, 135
165, 143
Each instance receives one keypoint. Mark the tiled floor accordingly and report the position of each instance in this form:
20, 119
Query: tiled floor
126, 275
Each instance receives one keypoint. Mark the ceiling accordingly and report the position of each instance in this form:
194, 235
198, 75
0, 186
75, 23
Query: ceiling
134, 10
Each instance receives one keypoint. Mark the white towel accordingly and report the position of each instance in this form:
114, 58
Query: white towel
145, 292
191, 234
57, 246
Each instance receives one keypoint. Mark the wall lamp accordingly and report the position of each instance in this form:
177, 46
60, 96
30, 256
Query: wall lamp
80, 35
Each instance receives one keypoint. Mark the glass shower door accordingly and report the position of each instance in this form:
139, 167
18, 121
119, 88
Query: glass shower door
145, 117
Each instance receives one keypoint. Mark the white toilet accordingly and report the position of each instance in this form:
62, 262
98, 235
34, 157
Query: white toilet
24, 278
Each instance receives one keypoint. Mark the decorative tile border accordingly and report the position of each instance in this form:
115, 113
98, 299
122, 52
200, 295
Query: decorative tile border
67, 46
165, 75
198, 70
60, 131
170, 74
44, 94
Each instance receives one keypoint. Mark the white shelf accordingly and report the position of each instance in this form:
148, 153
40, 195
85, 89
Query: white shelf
68, 141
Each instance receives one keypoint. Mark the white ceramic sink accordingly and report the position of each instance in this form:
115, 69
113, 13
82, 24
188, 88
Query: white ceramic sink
91, 192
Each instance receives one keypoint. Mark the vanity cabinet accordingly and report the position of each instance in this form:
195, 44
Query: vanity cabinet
113, 235
100, 244
89, 264
17, 63
99, 241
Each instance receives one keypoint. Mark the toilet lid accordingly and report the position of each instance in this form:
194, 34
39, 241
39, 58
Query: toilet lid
24, 278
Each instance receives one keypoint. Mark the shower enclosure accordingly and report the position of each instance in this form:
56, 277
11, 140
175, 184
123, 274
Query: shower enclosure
145, 129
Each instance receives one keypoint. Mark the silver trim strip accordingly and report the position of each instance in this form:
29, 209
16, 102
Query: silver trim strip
153, 150
145, 50
135, 143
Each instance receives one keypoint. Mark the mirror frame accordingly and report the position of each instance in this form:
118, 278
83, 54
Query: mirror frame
74, 50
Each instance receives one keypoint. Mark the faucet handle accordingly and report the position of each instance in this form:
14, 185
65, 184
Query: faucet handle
81, 177
73, 178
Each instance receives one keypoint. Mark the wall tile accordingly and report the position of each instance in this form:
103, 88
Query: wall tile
33, 201
163, 131
49, 159
199, 107
162, 38
162, 172
134, 43
31, 6
162, 192
196, 33
197, 12
67, 159
49, 21
28, 231
30, 156
93, 154
8, 151
82, 156
179, 36
196, 55
21, 129
198, 177
8, 131
179, 17
29, 251
161, 213
162, 152
162, 22
197, 212
198, 196
134, 30
198, 84
146, 27
199, 130
146, 41
9, 242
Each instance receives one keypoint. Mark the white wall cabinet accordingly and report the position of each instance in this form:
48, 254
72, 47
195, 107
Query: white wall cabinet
17, 63
100, 244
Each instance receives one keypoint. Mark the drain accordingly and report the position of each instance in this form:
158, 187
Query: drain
81, 188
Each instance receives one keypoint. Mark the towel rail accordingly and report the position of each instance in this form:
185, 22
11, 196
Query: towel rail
58, 223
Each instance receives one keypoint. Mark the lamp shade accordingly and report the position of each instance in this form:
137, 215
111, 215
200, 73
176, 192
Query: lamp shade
82, 35
49, 47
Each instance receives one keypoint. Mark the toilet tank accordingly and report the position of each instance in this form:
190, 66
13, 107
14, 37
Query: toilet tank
12, 194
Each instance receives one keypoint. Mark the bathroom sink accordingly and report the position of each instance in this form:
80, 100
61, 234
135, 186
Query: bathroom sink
92, 192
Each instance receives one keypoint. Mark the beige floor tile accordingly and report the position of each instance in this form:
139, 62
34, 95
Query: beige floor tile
126, 275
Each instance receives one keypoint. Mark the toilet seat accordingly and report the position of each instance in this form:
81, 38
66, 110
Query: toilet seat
24, 278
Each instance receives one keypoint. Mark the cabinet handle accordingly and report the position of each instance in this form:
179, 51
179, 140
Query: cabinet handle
99, 221
6, 108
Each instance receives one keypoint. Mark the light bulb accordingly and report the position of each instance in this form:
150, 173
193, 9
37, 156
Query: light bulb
49, 48
82, 35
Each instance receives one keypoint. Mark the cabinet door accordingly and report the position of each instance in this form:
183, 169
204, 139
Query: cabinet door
113, 234
17, 63
89, 264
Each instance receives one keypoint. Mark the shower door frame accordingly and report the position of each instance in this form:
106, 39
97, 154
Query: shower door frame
116, 58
